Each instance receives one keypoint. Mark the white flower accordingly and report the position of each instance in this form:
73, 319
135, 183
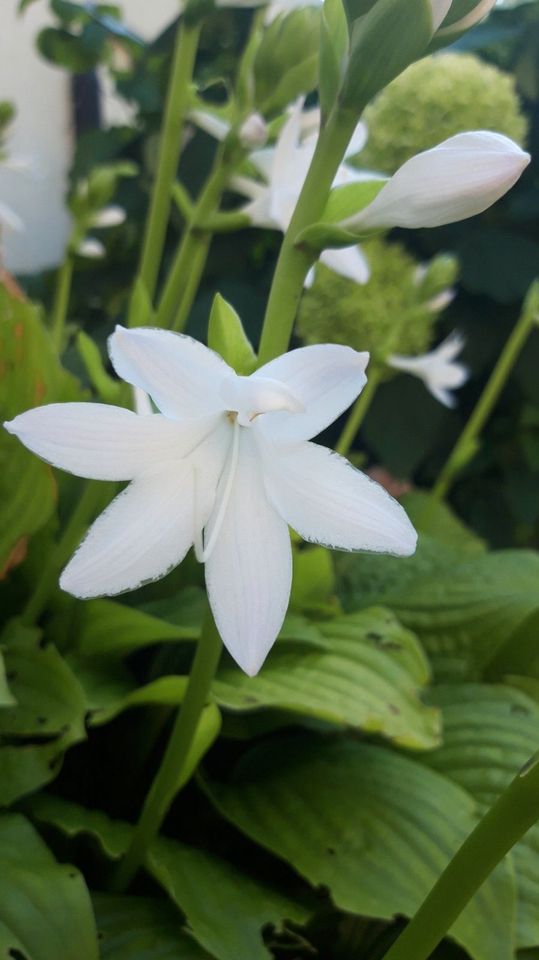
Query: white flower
10, 220
111, 216
277, 7
91, 248
478, 13
440, 9
254, 131
438, 369
459, 178
227, 466
284, 167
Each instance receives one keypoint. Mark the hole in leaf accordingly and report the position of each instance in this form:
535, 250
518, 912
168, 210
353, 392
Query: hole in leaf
15, 954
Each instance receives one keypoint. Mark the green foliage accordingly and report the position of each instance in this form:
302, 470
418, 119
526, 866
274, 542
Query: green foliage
288, 52
227, 337
139, 928
334, 44
45, 909
377, 855
436, 99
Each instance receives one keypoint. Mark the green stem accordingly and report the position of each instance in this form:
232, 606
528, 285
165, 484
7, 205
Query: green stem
294, 262
184, 277
358, 412
89, 504
165, 784
169, 154
467, 442
515, 811
60, 304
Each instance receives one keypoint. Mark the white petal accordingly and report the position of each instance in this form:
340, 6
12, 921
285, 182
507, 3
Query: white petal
144, 533
263, 160
111, 216
181, 375
249, 573
103, 442
326, 378
216, 126
91, 248
478, 13
287, 146
149, 527
142, 403
326, 500
440, 9
251, 396
358, 140
350, 262
457, 179
10, 219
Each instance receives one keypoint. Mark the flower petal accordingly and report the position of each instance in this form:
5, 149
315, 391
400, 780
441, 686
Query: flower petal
326, 500
181, 375
326, 378
349, 262
149, 527
457, 179
103, 442
249, 572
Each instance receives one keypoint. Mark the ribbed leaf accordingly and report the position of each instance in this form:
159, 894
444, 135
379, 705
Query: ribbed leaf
369, 676
45, 909
374, 827
489, 733
137, 928
226, 909
108, 627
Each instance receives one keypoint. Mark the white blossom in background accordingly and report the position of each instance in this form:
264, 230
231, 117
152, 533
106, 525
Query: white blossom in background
284, 168
439, 369
227, 466
111, 216
91, 248
459, 178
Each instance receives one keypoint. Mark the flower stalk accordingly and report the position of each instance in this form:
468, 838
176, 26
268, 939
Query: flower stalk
467, 443
359, 412
169, 153
513, 813
169, 774
294, 262
60, 304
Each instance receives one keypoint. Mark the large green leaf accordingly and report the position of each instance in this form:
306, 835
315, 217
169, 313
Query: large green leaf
46, 718
226, 909
137, 928
107, 627
489, 733
30, 374
45, 910
374, 827
463, 610
369, 676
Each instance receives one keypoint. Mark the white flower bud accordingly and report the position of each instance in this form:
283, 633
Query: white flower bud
469, 19
91, 248
111, 216
254, 131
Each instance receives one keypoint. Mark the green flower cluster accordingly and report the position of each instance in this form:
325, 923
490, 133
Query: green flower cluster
434, 99
393, 313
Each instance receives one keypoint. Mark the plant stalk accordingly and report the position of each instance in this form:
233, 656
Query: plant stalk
467, 441
358, 412
294, 262
60, 304
176, 107
165, 784
513, 813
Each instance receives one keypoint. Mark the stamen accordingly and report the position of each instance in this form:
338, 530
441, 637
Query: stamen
204, 551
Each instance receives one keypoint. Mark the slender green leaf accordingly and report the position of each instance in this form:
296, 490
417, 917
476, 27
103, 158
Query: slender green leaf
227, 336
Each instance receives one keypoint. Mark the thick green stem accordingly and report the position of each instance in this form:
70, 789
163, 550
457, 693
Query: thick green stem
184, 277
176, 108
60, 304
293, 263
467, 442
165, 784
515, 811
358, 412
92, 499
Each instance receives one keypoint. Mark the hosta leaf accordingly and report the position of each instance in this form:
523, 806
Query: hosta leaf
107, 627
369, 676
466, 610
46, 719
374, 827
226, 909
137, 928
29, 375
489, 733
45, 909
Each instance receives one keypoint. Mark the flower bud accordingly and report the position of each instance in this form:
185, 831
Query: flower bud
463, 15
254, 131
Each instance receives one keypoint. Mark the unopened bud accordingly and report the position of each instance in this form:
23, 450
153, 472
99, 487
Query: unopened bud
254, 131
463, 15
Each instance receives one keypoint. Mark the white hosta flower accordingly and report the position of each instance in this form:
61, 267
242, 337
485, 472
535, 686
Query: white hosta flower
253, 131
438, 369
91, 248
284, 167
459, 178
226, 465
111, 216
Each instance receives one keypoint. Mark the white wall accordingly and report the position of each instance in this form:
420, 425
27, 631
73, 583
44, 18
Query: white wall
42, 131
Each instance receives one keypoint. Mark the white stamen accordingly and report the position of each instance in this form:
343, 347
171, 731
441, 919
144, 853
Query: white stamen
204, 551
